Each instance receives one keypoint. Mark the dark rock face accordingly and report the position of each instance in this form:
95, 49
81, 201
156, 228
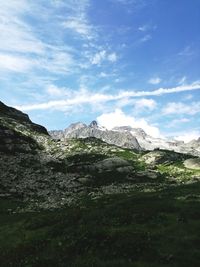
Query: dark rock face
16, 115
12, 141
93, 124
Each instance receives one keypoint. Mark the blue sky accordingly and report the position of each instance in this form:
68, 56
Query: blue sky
121, 62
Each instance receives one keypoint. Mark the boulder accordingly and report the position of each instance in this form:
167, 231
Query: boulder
193, 164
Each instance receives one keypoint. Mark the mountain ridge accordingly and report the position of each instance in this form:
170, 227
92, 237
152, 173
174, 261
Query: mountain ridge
126, 136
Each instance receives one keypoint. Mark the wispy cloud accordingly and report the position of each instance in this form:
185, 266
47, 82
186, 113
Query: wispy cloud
84, 96
15, 34
55, 91
23, 46
182, 80
101, 56
181, 108
178, 122
154, 80
78, 23
147, 27
146, 38
16, 63
136, 4
145, 103
187, 51
79, 26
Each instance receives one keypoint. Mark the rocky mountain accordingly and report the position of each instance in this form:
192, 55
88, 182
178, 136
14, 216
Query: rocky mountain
49, 173
148, 142
127, 137
82, 159
79, 130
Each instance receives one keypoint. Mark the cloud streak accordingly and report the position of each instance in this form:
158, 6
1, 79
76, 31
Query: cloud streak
86, 97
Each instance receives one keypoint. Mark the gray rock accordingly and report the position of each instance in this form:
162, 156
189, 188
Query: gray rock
193, 164
111, 163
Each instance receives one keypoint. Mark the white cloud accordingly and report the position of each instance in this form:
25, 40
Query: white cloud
78, 22
147, 27
188, 136
181, 108
146, 38
79, 26
119, 118
83, 96
155, 80
75, 98
17, 37
137, 4
187, 51
53, 90
101, 56
21, 49
162, 91
98, 57
15, 34
188, 97
15, 63
112, 57
145, 103
103, 75
143, 28
182, 80
177, 122
59, 62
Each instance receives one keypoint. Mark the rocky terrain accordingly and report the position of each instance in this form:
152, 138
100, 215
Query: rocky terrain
48, 172
93, 197
127, 137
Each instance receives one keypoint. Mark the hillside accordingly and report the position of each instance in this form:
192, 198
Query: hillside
85, 202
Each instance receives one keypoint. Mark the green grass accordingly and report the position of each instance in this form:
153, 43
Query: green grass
136, 229
178, 171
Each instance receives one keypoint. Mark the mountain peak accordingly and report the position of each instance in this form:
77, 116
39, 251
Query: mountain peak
93, 124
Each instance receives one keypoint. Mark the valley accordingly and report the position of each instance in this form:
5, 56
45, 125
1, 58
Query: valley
87, 196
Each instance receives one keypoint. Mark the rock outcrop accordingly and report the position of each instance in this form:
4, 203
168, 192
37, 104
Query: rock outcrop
10, 114
193, 164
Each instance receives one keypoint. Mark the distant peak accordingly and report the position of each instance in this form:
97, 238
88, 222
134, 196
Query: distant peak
93, 124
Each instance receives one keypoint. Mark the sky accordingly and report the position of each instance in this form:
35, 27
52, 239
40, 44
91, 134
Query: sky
120, 62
